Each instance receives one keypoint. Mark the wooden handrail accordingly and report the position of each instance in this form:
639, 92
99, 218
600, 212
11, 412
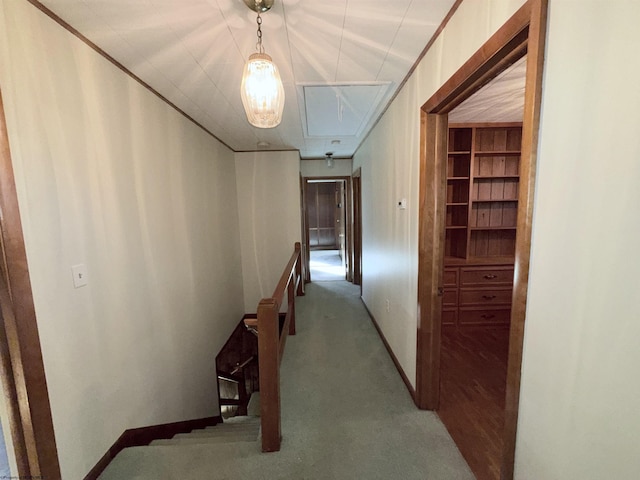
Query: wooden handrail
271, 342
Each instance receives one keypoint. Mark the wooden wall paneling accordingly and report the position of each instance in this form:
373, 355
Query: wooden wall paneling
312, 213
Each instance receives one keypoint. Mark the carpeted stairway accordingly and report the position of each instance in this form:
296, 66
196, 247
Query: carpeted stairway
233, 430
346, 414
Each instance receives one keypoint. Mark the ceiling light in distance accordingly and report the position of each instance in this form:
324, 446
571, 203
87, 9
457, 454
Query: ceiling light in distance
329, 156
261, 89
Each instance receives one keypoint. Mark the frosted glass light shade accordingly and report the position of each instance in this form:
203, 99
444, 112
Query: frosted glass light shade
262, 92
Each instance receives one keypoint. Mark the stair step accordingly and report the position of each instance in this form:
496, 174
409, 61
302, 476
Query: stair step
202, 440
248, 428
237, 422
220, 433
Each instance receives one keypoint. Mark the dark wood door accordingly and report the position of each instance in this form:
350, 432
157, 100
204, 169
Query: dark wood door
321, 209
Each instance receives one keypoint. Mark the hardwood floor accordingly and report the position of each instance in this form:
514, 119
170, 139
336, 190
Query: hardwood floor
472, 394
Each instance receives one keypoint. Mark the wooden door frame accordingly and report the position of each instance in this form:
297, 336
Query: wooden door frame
356, 180
21, 365
523, 33
348, 222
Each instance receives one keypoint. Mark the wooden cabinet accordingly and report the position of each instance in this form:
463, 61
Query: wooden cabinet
321, 210
483, 168
481, 295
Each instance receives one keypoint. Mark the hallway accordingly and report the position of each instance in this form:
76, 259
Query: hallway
326, 266
346, 413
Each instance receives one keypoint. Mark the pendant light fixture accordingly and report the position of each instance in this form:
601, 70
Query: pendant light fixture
329, 157
261, 90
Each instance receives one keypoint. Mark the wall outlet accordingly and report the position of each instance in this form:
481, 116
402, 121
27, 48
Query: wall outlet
387, 305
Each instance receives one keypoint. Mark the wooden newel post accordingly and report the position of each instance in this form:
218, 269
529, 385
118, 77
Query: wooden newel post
268, 352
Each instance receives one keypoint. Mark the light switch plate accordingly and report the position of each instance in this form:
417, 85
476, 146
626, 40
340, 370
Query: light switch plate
80, 278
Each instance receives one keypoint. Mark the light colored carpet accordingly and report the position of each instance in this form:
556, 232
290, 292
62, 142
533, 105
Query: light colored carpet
326, 266
346, 413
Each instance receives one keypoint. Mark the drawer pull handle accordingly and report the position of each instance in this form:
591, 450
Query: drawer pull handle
488, 297
490, 277
487, 316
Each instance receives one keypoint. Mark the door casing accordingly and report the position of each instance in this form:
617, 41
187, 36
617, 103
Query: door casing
348, 223
21, 364
523, 33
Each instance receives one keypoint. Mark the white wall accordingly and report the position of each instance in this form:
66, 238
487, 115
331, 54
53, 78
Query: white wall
109, 176
268, 186
389, 159
318, 168
578, 412
580, 391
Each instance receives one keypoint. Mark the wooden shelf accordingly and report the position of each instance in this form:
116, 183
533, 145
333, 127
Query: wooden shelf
491, 228
478, 200
491, 177
497, 153
483, 169
497, 260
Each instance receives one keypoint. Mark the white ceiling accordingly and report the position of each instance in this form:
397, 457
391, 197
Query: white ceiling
192, 52
501, 100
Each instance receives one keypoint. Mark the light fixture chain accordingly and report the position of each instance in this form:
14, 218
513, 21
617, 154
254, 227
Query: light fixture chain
259, 46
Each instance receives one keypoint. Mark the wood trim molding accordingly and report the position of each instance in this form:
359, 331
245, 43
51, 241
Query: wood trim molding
30, 411
523, 33
403, 375
528, 159
433, 145
348, 219
504, 47
137, 437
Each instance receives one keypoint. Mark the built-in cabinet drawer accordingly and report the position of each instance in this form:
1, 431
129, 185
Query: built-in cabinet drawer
485, 276
485, 297
476, 295
485, 317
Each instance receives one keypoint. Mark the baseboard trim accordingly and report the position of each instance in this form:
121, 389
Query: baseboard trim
403, 375
137, 437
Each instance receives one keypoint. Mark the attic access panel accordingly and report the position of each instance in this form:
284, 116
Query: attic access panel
341, 110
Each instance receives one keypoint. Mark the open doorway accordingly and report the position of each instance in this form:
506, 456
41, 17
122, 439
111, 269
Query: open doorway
327, 221
523, 33
484, 142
